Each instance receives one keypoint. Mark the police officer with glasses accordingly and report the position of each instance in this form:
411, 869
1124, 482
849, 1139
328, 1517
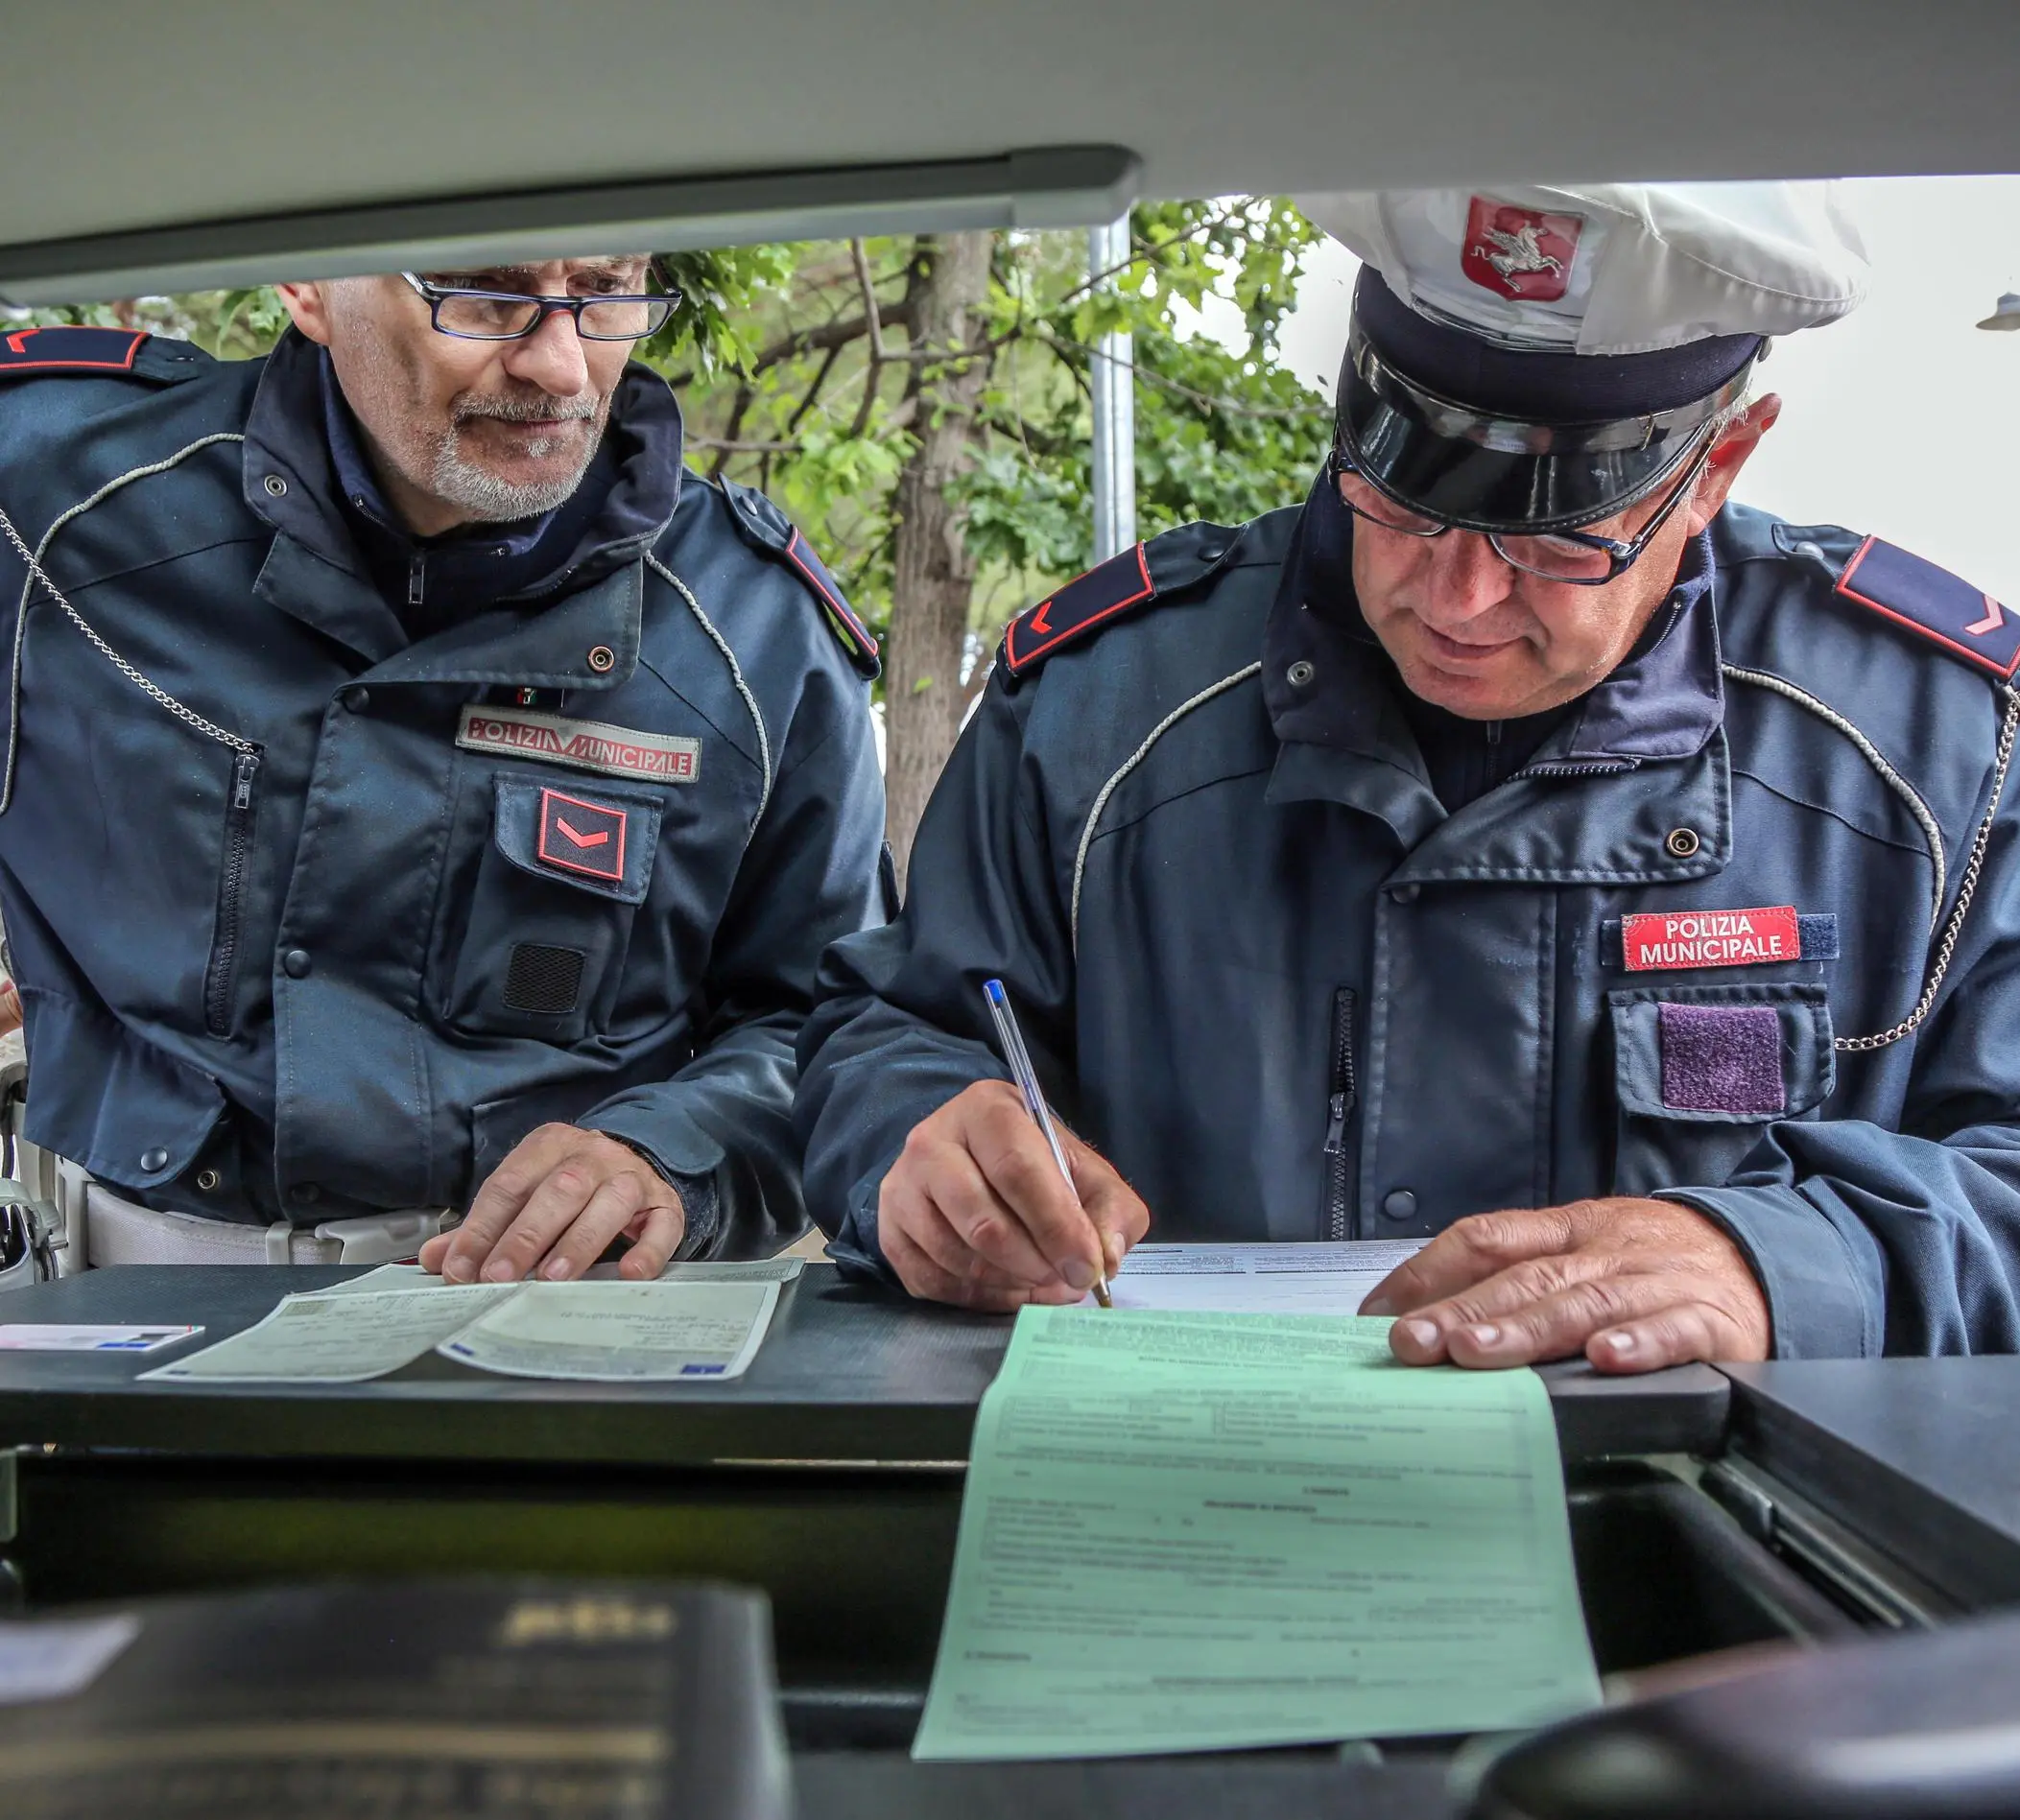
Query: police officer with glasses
1519, 847
421, 793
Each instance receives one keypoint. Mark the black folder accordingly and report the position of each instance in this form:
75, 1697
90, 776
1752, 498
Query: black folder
417, 1700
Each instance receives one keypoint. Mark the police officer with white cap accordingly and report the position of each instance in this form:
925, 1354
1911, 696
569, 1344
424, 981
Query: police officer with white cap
1518, 847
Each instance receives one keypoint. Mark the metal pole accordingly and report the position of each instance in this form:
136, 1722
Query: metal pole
1112, 371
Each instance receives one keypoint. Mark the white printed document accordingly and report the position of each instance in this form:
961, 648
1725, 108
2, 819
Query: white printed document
597, 1332
41, 1337
336, 1340
410, 1276
621, 1333
1261, 1279
52, 1658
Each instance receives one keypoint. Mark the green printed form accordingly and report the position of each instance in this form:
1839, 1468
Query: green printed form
1191, 1532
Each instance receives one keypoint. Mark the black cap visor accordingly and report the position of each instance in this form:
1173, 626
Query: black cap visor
1483, 472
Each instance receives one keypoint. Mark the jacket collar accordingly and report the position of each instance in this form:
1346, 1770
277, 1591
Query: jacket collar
1664, 702
1344, 738
317, 572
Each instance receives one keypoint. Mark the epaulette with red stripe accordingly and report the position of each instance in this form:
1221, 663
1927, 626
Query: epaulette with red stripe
764, 527
86, 352
1917, 595
1112, 590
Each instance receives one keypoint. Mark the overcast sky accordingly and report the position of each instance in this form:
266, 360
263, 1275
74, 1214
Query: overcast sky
1903, 419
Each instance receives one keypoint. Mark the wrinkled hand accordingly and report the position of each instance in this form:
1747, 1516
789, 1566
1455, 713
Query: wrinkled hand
973, 1212
11, 1018
553, 1205
1634, 1284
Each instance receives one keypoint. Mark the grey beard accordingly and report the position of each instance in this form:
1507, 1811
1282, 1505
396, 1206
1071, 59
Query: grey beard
488, 498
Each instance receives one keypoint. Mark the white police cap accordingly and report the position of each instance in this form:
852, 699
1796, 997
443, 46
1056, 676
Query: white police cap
1608, 268
1536, 359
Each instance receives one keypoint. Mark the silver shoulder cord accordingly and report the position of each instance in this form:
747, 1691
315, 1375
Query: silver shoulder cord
1129, 765
1967, 888
736, 676
38, 574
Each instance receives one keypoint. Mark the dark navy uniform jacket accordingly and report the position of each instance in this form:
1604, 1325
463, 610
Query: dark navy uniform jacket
336, 932
1292, 998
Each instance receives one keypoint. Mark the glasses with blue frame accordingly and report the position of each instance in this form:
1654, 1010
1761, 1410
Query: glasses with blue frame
1582, 558
472, 314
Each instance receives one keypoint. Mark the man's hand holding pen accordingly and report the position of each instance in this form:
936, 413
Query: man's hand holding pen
974, 1211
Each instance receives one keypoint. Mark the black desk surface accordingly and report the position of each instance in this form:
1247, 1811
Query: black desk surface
846, 1375
1231, 1785
1921, 1457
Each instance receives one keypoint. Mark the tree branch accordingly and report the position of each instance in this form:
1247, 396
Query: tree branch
870, 301
867, 402
823, 335
737, 410
727, 445
807, 404
1227, 406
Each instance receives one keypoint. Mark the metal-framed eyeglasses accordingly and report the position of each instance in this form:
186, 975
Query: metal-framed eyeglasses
509, 316
1582, 558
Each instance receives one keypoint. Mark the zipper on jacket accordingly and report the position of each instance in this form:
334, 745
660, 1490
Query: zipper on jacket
1339, 1107
223, 971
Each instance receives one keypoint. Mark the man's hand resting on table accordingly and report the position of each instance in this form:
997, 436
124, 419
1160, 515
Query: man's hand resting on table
1634, 1284
973, 1212
553, 1205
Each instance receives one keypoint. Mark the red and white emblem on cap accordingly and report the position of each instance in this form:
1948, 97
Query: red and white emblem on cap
582, 836
1519, 252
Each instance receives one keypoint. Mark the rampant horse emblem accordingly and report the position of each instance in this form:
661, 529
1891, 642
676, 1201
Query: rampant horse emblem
1521, 252
1525, 253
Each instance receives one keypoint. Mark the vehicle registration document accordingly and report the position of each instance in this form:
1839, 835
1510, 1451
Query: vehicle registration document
1189, 1532
675, 1329
410, 1276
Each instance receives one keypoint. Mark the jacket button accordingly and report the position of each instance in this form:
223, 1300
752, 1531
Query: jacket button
297, 963
602, 658
306, 1192
275, 486
1682, 842
209, 1179
1212, 553
357, 700
153, 1160
1404, 894
1399, 1203
1299, 675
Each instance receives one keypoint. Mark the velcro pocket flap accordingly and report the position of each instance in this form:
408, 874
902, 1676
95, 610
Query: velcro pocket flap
593, 838
1726, 1054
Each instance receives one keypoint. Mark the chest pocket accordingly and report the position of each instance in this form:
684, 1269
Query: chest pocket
1701, 1072
551, 910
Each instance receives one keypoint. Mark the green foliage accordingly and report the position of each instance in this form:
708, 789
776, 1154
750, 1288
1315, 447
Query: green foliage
799, 402
720, 293
256, 317
1027, 513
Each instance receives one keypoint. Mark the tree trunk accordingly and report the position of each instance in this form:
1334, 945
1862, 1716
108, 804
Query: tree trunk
934, 575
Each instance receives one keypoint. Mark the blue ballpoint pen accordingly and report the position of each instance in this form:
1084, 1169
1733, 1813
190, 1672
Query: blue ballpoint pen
1026, 1078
